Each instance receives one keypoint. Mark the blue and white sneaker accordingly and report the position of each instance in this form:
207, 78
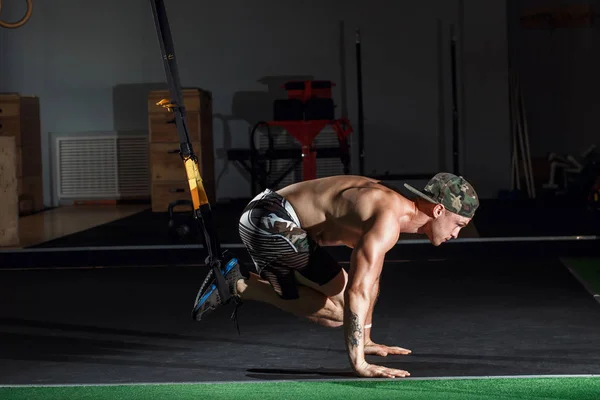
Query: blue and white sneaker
208, 298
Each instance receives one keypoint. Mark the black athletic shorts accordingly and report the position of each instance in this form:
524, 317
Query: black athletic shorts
271, 231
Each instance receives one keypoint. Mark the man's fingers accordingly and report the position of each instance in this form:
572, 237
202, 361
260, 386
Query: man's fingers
397, 372
385, 350
401, 373
380, 371
398, 350
386, 374
390, 372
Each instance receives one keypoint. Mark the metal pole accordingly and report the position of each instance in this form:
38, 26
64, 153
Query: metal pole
455, 116
361, 126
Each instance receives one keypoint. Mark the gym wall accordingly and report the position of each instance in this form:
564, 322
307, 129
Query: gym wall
92, 67
559, 73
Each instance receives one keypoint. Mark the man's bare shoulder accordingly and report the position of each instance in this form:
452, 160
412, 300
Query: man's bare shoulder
389, 208
384, 199
383, 224
382, 211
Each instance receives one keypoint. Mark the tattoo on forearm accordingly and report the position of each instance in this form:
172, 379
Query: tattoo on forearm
353, 330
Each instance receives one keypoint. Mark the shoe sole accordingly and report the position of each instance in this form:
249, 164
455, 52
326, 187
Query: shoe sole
212, 290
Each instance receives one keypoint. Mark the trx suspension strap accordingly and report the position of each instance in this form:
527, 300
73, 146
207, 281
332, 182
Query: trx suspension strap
202, 209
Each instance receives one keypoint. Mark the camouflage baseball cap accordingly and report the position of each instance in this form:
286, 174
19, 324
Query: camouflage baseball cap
453, 192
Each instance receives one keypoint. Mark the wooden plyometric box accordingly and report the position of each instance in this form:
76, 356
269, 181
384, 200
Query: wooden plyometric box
168, 177
9, 197
20, 119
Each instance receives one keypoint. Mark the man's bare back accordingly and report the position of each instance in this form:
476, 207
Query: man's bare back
335, 210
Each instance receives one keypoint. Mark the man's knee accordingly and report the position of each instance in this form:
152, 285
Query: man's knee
334, 324
334, 289
337, 305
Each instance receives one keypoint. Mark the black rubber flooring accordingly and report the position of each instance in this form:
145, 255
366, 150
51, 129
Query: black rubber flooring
460, 318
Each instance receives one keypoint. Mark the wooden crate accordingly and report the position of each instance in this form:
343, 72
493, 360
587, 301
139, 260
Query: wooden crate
167, 165
164, 193
20, 119
168, 177
9, 199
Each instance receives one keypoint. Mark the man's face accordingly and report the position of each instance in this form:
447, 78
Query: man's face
445, 225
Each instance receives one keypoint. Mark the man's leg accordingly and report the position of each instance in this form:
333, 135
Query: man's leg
322, 304
294, 274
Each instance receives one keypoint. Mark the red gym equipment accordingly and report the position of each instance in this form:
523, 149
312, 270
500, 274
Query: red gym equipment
305, 131
308, 109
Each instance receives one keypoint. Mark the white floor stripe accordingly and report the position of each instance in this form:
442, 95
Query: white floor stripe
324, 380
240, 245
181, 265
100, 267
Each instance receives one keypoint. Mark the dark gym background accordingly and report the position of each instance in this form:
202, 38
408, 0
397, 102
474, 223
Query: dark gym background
92, 66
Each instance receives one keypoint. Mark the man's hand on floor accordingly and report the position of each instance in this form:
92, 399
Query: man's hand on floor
375, 349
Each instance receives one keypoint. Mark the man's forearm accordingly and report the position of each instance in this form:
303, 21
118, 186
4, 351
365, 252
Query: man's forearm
356, 309
369, 319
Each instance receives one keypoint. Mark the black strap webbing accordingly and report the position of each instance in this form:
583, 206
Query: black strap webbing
202, 209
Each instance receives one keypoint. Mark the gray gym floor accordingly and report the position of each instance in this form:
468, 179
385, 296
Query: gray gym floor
132, 324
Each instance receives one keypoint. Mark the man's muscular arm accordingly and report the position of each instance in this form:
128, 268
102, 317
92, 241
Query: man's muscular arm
369, 320
365, 268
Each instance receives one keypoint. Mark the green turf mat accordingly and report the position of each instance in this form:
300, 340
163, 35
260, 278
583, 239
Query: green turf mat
588, 270
575, 388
